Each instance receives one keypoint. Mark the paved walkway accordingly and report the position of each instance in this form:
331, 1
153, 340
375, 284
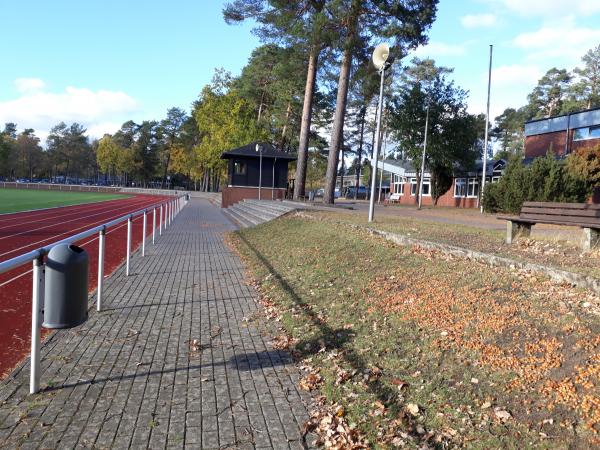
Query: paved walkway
176, 360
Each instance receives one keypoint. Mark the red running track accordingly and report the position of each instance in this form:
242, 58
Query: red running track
26, 231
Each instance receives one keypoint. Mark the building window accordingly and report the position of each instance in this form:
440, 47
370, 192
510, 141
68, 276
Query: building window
460, 187
496, 179
239, 168
426, 187
581, 134
473, 187
398, 182
414, 187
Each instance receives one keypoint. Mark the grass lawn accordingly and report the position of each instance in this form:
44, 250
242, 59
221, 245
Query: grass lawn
549, 252
14, 200
410, 347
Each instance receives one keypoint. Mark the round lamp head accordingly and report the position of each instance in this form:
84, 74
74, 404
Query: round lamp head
381, 55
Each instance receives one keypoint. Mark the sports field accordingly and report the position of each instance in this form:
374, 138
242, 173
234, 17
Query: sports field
14, 200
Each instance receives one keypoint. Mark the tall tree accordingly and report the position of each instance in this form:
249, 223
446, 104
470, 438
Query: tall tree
300, 24
548, 96
29, 153
69, 150
588, 85
453, 133
225, 121
509, 131
171, 128
361, 23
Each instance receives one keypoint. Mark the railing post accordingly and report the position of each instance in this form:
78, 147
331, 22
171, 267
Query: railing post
37, 293
144, 235
153, 224
101, 239
160, 224
128, 245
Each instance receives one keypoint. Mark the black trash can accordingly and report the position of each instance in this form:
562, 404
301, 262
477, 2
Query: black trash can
66, 287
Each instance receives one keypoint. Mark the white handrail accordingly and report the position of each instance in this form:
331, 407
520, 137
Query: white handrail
37, 256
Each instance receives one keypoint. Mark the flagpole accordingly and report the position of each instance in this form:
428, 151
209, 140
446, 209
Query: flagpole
487, 120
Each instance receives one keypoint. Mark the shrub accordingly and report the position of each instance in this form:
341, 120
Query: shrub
545, 180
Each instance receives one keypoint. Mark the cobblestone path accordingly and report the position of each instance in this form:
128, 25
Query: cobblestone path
176, 360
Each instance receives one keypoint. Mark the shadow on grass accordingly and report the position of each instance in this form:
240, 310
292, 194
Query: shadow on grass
332, 338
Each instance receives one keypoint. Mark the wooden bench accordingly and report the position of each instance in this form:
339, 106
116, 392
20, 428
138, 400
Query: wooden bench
394, 198
583, 215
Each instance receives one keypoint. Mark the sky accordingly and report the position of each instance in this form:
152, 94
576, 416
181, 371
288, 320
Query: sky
101, 63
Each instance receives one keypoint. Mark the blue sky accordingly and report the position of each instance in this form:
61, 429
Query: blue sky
101, 63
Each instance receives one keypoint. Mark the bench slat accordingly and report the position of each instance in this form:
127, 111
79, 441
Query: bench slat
559, 221
561, 212
584, 206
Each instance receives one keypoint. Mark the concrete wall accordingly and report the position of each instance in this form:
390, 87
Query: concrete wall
233, 194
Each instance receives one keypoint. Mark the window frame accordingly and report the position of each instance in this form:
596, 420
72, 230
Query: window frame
239, 164
472, 182
462, 182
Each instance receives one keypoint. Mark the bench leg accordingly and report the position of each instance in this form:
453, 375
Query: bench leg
516, 229
591, 239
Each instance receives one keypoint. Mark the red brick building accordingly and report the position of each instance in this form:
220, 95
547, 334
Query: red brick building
464, 192
562, 134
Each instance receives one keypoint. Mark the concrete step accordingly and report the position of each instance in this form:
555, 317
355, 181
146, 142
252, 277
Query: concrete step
238, 218
275, 206
247, 214
261, 210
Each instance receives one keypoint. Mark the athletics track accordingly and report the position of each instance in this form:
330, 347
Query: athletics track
25, 231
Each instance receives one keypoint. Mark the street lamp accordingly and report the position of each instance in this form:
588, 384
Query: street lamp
380, 57
259, 150
423, 161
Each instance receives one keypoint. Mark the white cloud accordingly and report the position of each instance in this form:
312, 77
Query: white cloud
562, 40
515, 74
478, 20
435, 49
552, 8
29, 84
39, 109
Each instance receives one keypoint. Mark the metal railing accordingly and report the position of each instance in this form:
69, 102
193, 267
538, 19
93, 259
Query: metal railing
171, 208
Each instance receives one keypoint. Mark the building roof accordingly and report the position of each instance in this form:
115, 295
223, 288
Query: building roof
407, 168
579, 119
249, 151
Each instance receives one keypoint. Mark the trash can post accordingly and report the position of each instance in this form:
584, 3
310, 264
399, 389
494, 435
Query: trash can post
101, 242
128, 246
153, 224
144, 235
36, 316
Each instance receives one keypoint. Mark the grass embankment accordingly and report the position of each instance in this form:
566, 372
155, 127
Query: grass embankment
541, 250
411, 346
15, 200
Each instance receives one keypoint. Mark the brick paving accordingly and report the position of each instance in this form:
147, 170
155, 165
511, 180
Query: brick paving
180, 358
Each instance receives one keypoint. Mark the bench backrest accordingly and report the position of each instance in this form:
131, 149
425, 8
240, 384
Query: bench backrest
581, 214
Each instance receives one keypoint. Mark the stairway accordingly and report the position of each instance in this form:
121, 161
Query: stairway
249, 213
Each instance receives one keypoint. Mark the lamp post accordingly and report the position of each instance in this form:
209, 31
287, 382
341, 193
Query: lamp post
380, 57
423, 160
259, 150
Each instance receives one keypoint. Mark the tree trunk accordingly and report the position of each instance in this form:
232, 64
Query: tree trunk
337, 133
309, 90
342, 174
363, 113
288, 113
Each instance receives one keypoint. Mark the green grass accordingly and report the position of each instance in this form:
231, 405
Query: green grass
355, 302
15, 200
558, 254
